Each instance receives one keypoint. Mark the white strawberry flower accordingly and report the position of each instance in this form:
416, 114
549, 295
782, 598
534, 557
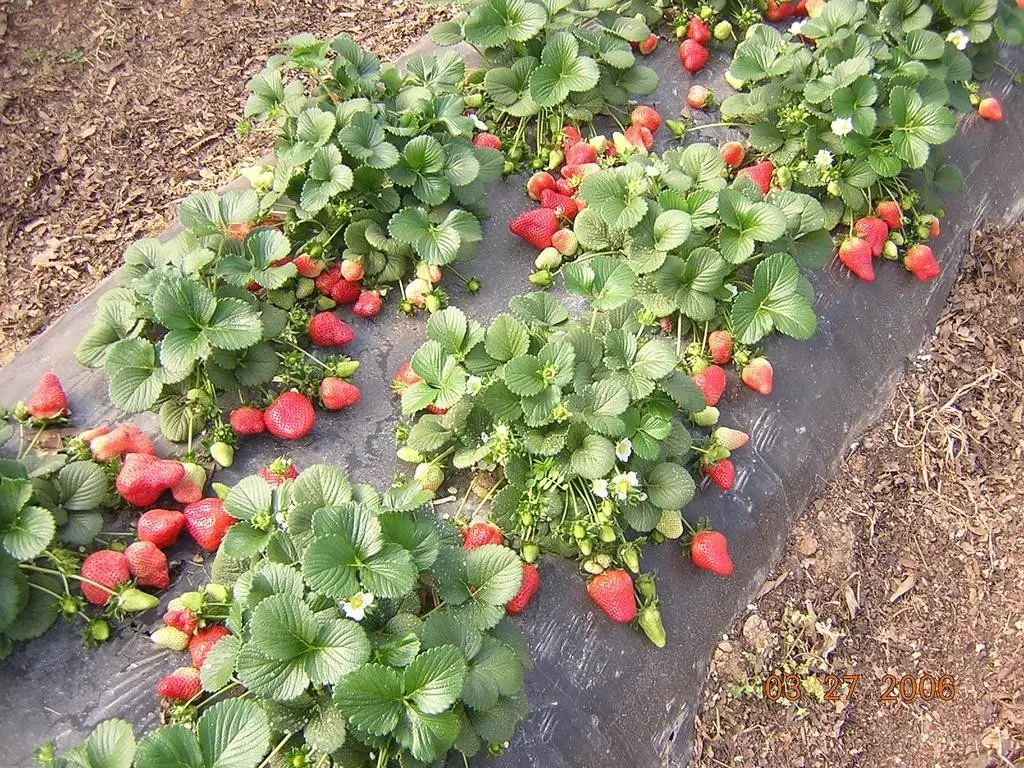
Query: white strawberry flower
842, 126
958, 38
473, 385
823, 159
623, 483
479, 124
624, 449
599, 488
355, 607
797, 27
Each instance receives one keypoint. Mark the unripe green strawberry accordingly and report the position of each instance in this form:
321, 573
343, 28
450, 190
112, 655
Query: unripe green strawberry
98, 631
898, 238
304, 287
193, 601
220, 490
586, 547
548, 259
592, 566
671, 524
630, 557
171, 638
406, 453
649, 620
734, 81
705, 418
541, 278
723, 30
222, 453
530, 552
325, 303
429, 475
473, 100
218, 593
889, 250
135, 601
606, 534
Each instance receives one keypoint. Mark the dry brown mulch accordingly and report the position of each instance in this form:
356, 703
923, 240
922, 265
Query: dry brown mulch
910, 564
111, 111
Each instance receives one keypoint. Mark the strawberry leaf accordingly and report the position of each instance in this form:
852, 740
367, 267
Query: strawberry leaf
205, 213
434, 680
219, 665
606, 282
233, 734
29, 534
562, 71
82, 485
497, 22
454, 332
778, 299
493, 574
249, 498
594, 458
13, 590
372, 697
136, 382
540, 308
669, 486
364, 139
616, 195
692, 282
173, 745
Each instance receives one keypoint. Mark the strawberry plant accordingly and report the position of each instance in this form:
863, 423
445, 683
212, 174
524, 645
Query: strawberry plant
548, 67
860, 115
359, 629
577, 421
52, 507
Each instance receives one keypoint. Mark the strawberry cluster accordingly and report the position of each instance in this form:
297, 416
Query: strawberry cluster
883, 236
191, 624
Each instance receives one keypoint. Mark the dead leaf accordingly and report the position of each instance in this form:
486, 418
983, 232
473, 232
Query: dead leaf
905, 586
851, 601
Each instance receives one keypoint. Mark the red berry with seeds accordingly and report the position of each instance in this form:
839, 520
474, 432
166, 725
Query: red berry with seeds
160, 526
108, 569
709, 550
337, 394
328, 330
247, 420
290, 416
147, 564
48, 400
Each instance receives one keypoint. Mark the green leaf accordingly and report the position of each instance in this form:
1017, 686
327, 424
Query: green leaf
219, 665
671, 229
497, 22
172, 746
40, 612
325, 732
655, 360
13, 591
135, 380
614, 195
326, 176
562, 71
916, 125
390, 572
495, 671
30, 535
776, 300
243, 540
443, 378
364, 140
433, 681
250, 497
690, 283
111, 745
453, 331
539, 308
372, 698
506, 338
761, 55
427, 737
669, 486
605, 281
206, 213
233, 734
493, 574
594, 458
525, 376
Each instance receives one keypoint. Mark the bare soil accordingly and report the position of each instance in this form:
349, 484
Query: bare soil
911, 564
112, 110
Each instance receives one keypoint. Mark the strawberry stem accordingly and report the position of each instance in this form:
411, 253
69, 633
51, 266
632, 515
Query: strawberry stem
52, 572
276, 750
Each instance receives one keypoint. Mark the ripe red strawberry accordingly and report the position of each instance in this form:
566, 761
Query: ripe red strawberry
107, 568
531, 583
855, 254
580, 153
730, 439
639, 136
537, 183
487, 141
698, 31
571, 135
278, 471
147, 565
48, 400
290, 416
921, 263
404, 379
560, 204
327, 279
563, 187
352, 270
190, 487
758, 375
111, 445
778, 11
760, 174
800, 8
479, 534
182, 619
711, 382
137, 441
890, 212
646, 116
240, 231
336, 394
710, 550
722, 473
873, 231
247, 420
435, 410
346, 291
647, 46
991, 109
328, 330
207, 522
692, 55
144, 478
202, 643
307, 266
535, 227
698, 97
160, 526
368, 304
613, 593
733, 154
720, 346
181, 685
